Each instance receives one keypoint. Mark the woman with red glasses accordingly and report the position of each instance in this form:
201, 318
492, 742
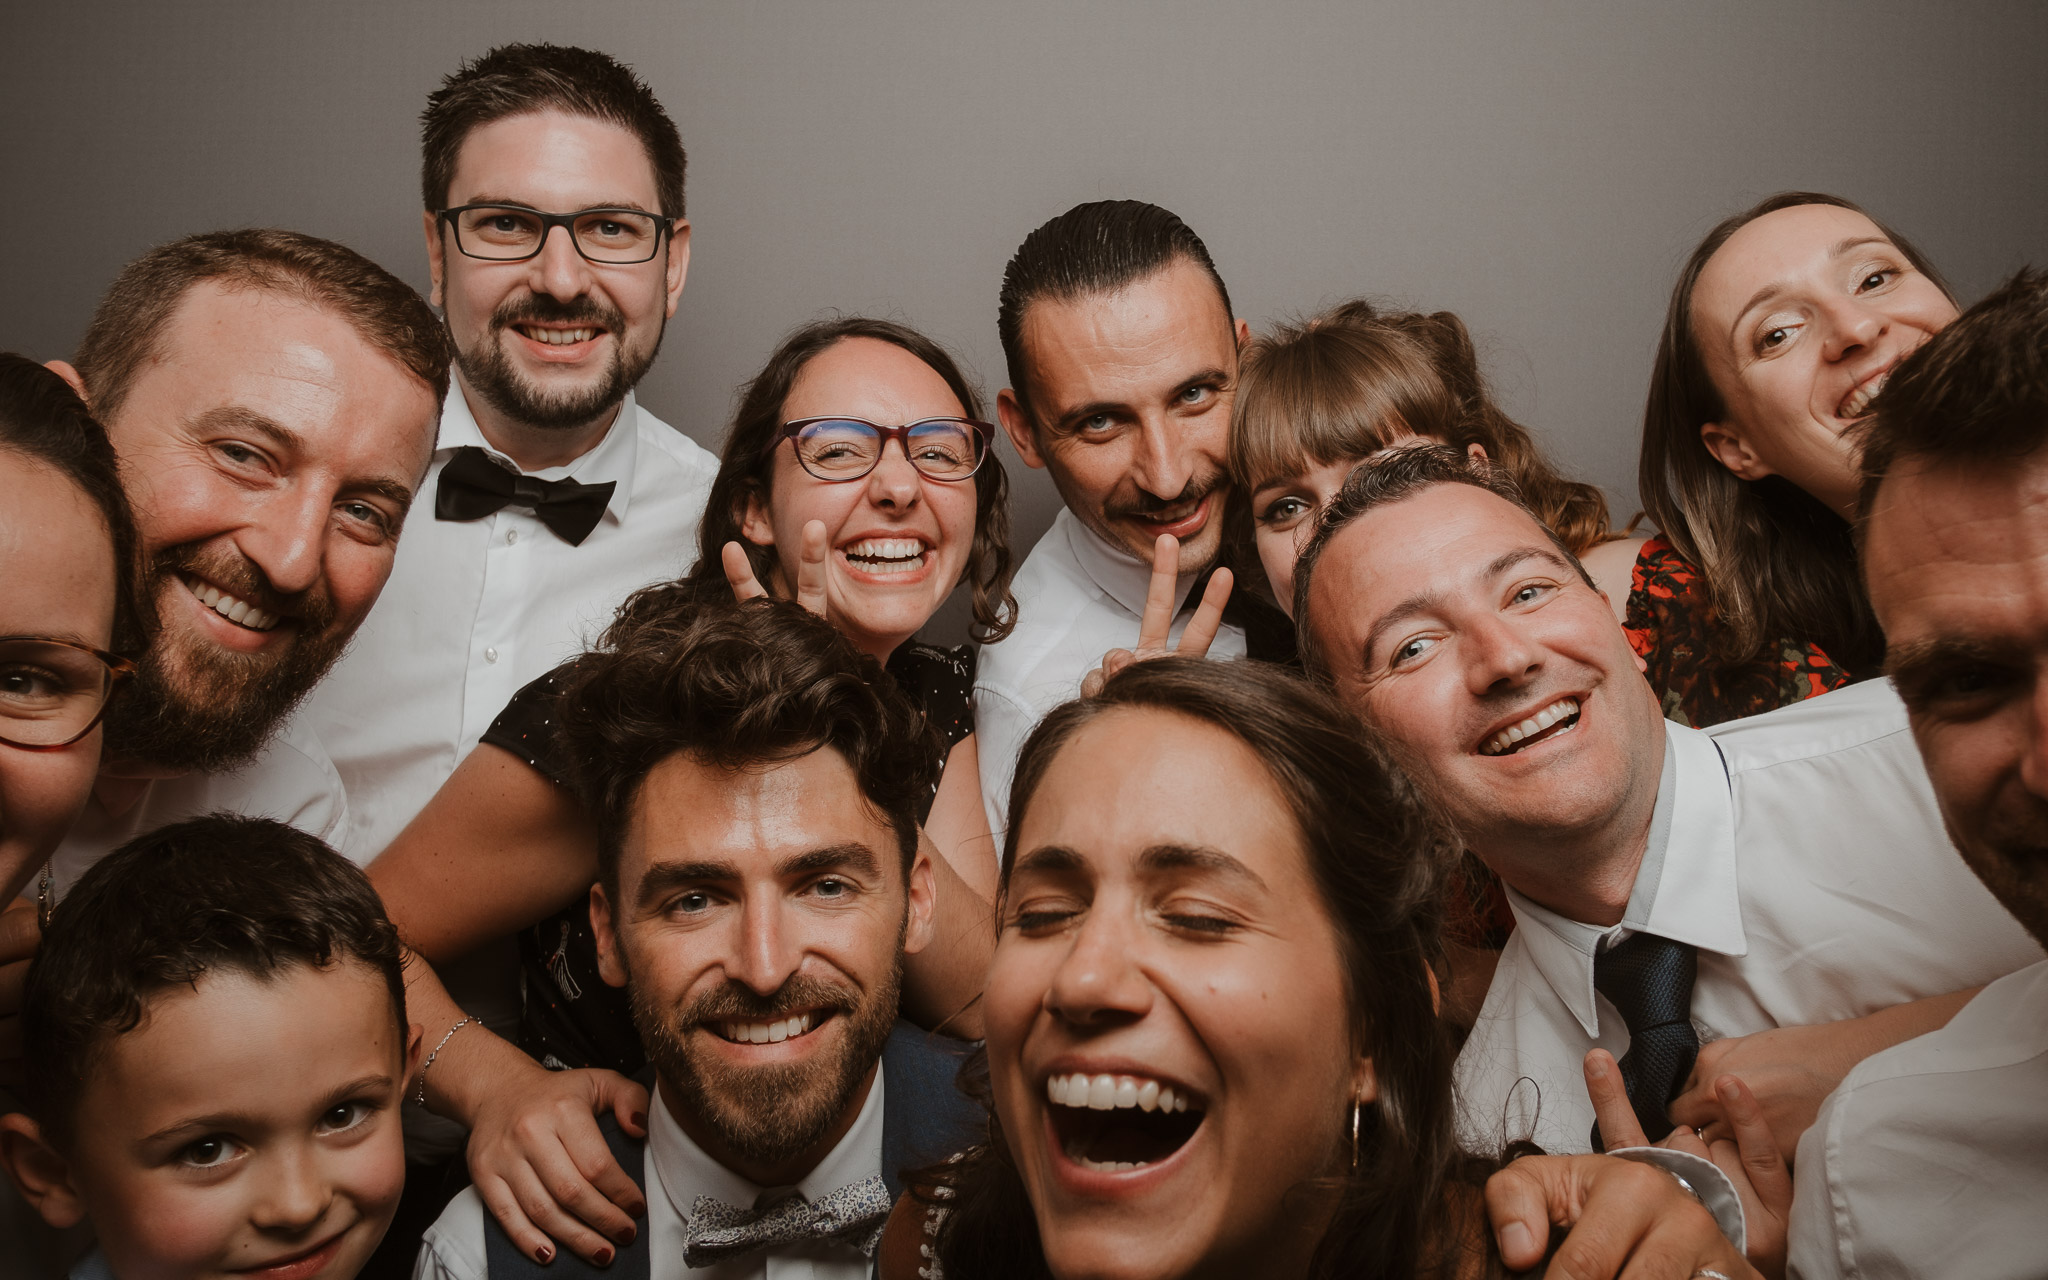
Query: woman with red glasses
857, 477
67, 548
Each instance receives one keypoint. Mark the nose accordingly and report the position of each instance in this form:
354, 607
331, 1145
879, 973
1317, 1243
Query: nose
1501, 657
767, 954
1164, 465
558, 270
288, 539
1853, 325
295, 1193
894, 484
1098, 982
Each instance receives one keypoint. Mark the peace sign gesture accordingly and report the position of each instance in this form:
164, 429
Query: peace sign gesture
810, 570
1156, 625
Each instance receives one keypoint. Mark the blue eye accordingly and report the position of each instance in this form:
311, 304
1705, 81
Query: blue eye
831, 888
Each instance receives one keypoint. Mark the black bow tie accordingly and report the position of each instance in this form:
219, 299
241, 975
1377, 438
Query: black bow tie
475, 485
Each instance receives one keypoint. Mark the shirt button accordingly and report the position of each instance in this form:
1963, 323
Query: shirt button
490, 655
511, 536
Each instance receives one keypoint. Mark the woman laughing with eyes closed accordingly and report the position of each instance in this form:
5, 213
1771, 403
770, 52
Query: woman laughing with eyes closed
1213, 1046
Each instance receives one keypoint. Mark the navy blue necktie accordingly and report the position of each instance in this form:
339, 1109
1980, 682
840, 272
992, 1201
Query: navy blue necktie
474, 485
1649, 980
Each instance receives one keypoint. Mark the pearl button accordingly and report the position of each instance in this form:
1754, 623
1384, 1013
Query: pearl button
511, 536
490, 655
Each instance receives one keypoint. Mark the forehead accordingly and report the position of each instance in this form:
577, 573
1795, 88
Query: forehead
1778, 246
872, 379
1440, 539
752, 818
1135, 342
1961, 551
56, 555
1133, 779
553, 159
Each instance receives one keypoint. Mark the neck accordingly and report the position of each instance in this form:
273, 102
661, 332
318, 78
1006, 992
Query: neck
786, 1172
535, 448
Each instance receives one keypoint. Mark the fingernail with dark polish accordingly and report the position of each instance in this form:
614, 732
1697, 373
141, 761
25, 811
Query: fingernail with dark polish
639, 1119
604, 1257
544, 1255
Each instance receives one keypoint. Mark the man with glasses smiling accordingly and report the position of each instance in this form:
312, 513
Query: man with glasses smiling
553, 188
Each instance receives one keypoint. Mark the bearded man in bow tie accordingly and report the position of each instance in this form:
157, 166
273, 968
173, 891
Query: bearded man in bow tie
755, 783
552, 181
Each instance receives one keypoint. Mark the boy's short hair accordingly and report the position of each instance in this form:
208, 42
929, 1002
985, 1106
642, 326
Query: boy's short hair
219, 893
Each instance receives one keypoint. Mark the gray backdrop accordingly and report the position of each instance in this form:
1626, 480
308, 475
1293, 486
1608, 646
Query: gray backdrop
1539, 168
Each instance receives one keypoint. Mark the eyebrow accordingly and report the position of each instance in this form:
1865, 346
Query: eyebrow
1206, 377
1425, 601
852, 856
240, 1121
1048, 859
234, 417
1910, 661
633, 205
1773, 289
1197, 857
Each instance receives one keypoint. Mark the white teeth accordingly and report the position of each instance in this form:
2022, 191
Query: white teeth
888, 555
1103, 1166
1859, 400
240, 612
560, 337
766, 1032
1110, 1093
1562, 709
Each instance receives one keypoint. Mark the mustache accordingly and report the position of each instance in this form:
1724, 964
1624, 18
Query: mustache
1145, 505
733, 1002
541, 308
313, 609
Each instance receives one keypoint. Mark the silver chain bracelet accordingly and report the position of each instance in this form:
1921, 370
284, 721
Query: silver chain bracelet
421, 1096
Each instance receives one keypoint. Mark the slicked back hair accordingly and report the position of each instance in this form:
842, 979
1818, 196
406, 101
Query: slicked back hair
219, 894
734, 686
1092, 248
1977, 392
1396, 474
42, 418
127, 328
520, 79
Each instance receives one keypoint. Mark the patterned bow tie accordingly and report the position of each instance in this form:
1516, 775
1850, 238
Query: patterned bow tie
474, 485
854, 1215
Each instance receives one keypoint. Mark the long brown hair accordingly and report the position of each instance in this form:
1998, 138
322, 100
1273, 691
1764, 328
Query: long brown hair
744, 468
1358, 378
1777, 563
1377, 852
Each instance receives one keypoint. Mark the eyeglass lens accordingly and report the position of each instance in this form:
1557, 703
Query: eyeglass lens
49, 693
942, 448
508, 234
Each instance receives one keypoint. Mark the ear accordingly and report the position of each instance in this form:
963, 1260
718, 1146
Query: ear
1436, 990
436, 259
1365, 1082
43, 1176
678, 263
1017, 425
610, 966
1242, 330
415, 1037
923, 891
64, 370
754, 524
1732, 451
1476, 451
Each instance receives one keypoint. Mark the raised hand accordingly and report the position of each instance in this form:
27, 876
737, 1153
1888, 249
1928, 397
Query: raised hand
543, 1169
1742, 1147
1155, 626
810, 570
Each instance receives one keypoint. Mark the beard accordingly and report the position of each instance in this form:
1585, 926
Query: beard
490, 373
1145, 506
194, 707
769, 1115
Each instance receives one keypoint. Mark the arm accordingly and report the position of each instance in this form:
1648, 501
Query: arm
942, 983
1791, 1070
958, 825
497, 848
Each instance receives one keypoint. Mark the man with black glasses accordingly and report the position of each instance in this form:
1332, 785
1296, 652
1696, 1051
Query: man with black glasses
553, 187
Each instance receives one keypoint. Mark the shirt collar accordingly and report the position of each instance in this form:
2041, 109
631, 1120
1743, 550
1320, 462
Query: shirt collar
1685, 889
687, 1171
612, 458
1122, 576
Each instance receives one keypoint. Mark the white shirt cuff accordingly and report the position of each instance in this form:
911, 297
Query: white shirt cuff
1707, 1182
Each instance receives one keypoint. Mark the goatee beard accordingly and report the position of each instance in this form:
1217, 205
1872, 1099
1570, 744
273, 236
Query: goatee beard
194, 707
489, 371
770, 1115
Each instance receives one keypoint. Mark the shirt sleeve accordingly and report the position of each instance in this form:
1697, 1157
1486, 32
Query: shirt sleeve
1707, 1182
453, 1248
1813, 1247
528, 729
1001, 724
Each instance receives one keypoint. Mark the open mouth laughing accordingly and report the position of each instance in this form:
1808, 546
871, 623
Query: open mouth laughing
1857, 402
235, 610
1553, 721
888, 555
1119, 1123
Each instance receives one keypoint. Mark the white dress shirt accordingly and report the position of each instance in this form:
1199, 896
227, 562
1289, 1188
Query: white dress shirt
678, 1172
476, 609
1932, 1158
1078, 597
291, 779
1801, 852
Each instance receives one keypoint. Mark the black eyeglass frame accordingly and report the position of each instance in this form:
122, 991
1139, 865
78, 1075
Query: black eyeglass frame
664, 227
118, 669
901, 435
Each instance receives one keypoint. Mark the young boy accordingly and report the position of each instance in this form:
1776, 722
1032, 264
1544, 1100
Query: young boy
216, 1053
